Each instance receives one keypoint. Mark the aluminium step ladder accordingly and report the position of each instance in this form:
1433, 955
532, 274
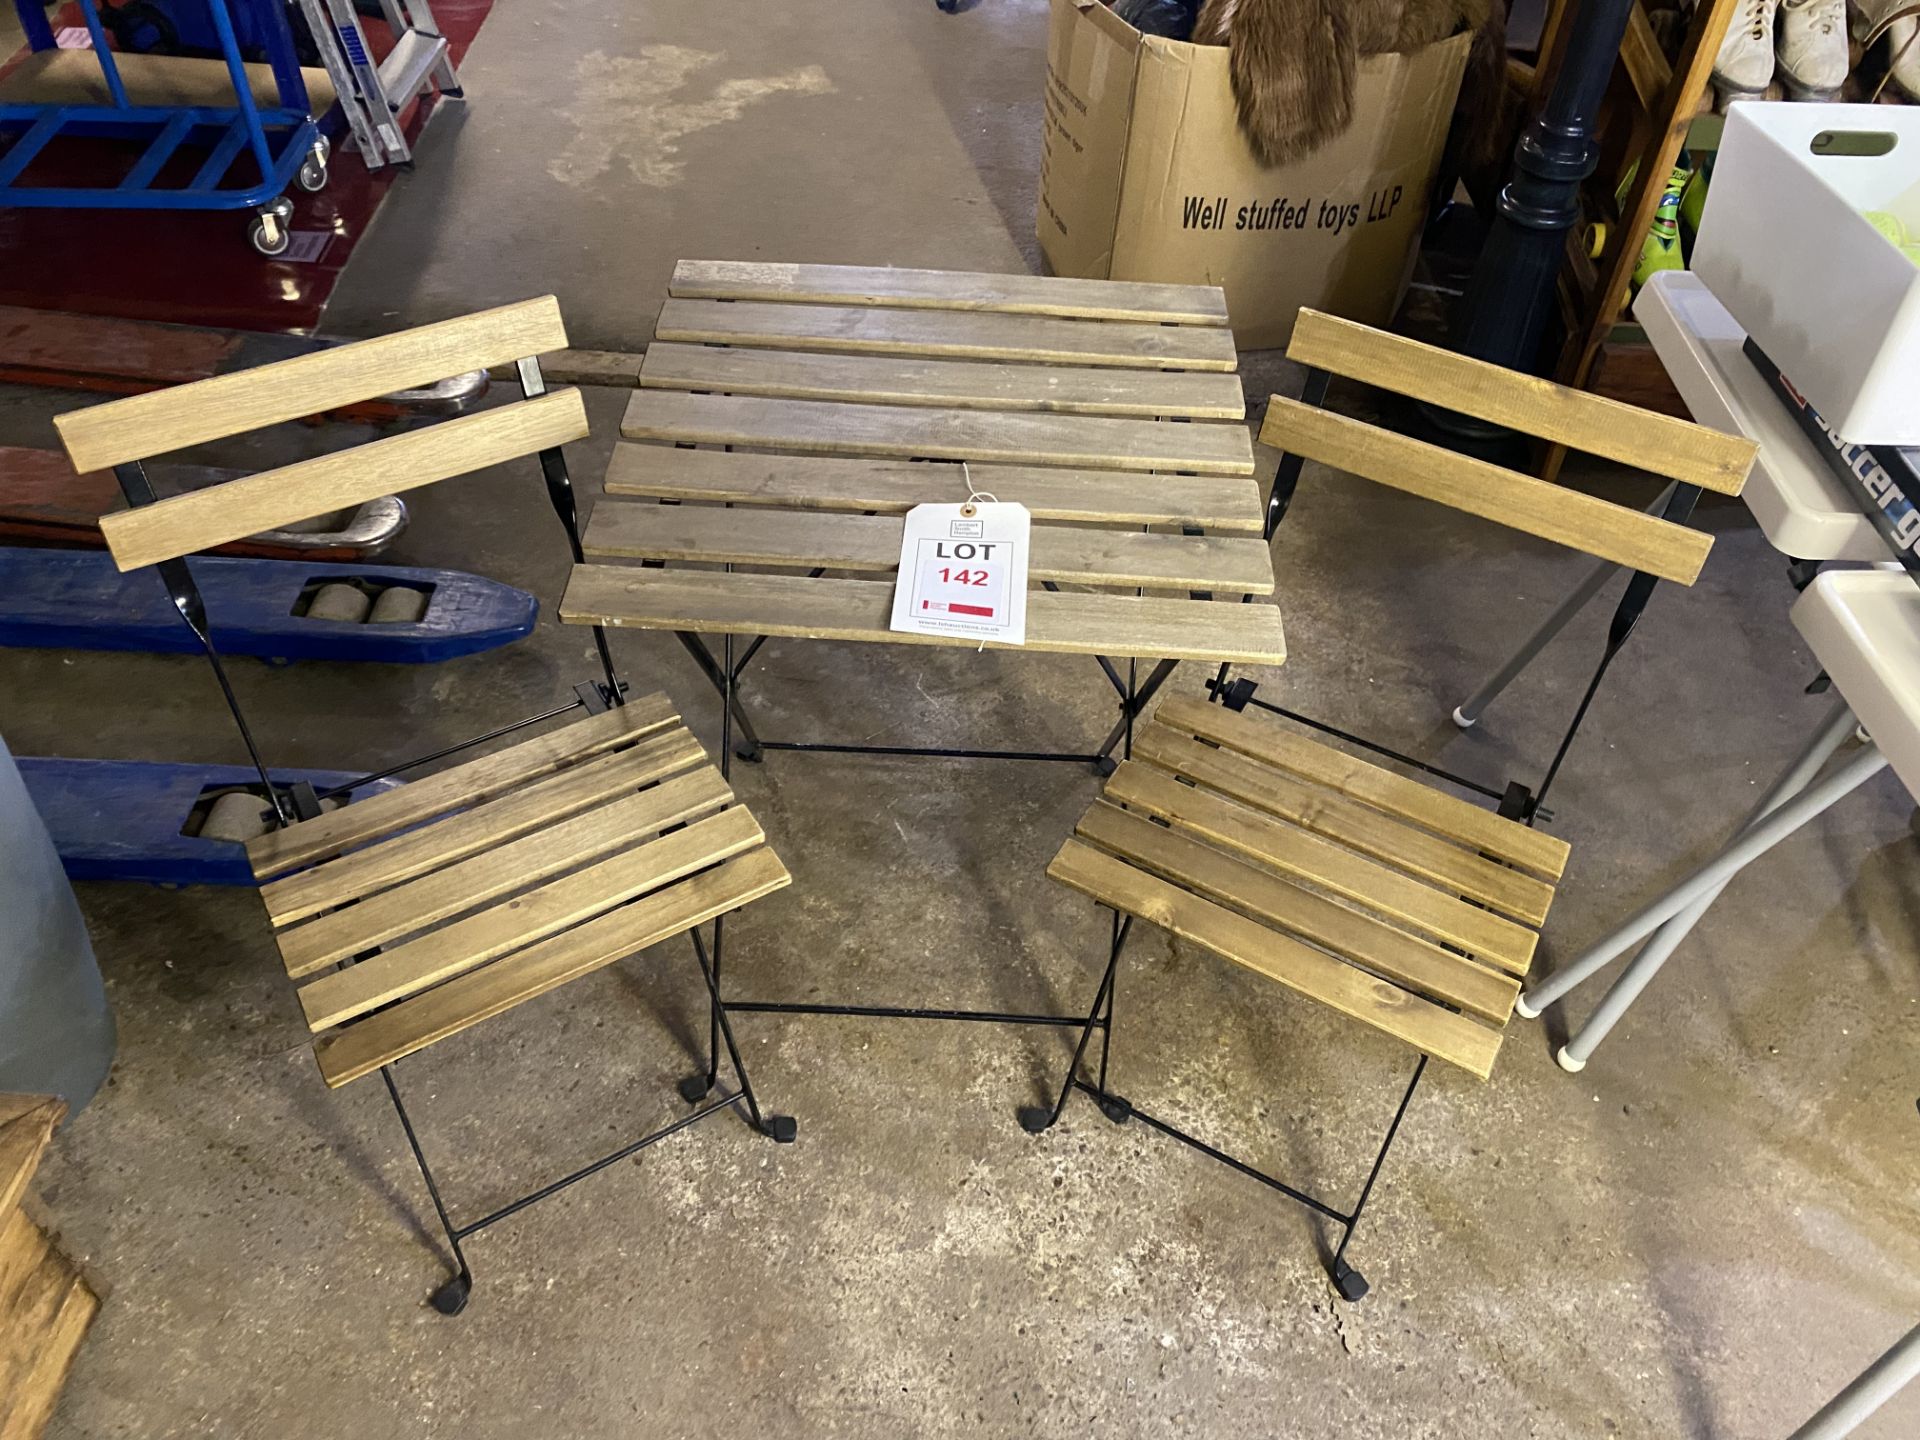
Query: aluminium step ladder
373, 96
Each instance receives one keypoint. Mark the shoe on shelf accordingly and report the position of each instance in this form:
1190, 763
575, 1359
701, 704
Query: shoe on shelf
1813, 48
1902, 38
1744, 67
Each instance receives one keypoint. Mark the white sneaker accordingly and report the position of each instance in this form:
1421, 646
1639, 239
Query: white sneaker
1902, 38
1744, 66
1813, 47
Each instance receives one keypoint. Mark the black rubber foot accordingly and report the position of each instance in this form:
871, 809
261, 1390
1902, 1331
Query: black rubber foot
1036, 1119
696, 1088
451, 1298
950, 6
1351, 1284
783, 1129
1105, 766
1116, 1109
752, 754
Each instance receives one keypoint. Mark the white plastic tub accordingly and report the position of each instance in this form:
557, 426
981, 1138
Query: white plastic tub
1784, 246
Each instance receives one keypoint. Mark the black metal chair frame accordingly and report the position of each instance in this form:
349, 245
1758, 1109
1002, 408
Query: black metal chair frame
291, 804
1515, 799
1516, 802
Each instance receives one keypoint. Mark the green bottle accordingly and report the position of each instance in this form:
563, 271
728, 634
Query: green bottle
1661, 249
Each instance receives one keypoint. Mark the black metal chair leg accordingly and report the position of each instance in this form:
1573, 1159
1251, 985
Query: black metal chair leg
1114, 1107
782, 1129
697, 1086
1035, 1119
1351, 1284
451, 1298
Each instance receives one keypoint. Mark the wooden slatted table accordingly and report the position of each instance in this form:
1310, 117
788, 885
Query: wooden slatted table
789, 416
1107, 408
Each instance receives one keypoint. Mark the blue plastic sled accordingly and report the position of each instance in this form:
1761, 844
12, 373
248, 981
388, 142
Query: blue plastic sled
75, 599
121, 819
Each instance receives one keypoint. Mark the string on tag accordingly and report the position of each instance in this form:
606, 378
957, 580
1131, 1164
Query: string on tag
969, 510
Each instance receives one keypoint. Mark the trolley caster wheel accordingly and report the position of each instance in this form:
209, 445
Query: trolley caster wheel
695, 1088
451, 1298
1036, 1119
269, 232
312, 175
1117, 1110
782, 1129
1351, 1284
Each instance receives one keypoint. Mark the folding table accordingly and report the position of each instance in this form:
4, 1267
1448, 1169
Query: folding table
1803, 512
1110, 410
1864, 628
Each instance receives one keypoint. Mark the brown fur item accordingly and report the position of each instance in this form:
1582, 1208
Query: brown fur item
1293, 61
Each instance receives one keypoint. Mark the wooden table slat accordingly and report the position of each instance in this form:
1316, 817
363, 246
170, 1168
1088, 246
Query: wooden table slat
960, 335
962, 384
810, 540
831, 609
950, 290
1222, 503
1025, 438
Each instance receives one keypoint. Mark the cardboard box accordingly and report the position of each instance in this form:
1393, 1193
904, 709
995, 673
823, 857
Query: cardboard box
1145, 176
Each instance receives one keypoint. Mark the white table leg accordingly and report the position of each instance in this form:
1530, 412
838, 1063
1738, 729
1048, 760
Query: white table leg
1871, 1389
1574, 1055
1711, 877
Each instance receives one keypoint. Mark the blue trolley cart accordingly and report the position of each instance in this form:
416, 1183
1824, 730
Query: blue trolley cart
270, 146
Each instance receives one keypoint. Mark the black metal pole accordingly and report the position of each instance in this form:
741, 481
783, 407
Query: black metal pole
1511, 297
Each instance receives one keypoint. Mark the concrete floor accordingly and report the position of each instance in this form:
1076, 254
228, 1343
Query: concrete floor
1703, 1235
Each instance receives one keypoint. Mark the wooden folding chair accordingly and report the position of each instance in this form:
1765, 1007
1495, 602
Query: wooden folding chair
1655, 544
1384, 897
410, 915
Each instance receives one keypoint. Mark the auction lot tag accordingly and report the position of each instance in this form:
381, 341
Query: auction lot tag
963, 572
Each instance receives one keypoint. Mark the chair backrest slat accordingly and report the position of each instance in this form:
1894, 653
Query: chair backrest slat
1521, 502
141, 426
1661, 444
183, 524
